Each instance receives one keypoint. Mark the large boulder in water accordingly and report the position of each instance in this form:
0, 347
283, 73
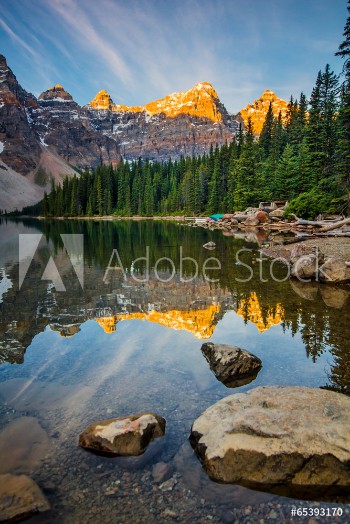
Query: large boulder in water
296, 437
124, 436
306, 261
231, 365
20, 498
334, 270
305, 268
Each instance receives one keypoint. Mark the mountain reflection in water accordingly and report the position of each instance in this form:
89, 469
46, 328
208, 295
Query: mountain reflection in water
318, 313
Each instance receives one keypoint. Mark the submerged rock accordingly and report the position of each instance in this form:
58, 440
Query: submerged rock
23, 446
306, 290
210, 245
124, 436
296, 437
20, 498
334, 296
231, 365
161, 471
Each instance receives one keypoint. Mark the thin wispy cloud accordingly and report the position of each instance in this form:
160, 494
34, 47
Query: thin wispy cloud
83, 28
141, 51
35, 54
18, 40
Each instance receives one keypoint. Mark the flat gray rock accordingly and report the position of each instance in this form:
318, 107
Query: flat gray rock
20, 498
232, 365
124, 436
296, 437
23, 446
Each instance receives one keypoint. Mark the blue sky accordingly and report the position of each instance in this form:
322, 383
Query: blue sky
141, 50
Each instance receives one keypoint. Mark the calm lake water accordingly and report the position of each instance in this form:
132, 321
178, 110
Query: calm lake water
121, 346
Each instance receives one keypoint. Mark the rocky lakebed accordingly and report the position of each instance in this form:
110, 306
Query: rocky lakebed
291, 441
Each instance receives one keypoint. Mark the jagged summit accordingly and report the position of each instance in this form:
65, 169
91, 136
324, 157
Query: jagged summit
102, 102
200, 101
56, 93
57, 87
258, 109
268, 95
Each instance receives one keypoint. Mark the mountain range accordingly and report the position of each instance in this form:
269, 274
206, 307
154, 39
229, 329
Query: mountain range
51, 137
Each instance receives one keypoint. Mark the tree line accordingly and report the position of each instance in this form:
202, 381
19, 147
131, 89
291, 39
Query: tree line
303, 158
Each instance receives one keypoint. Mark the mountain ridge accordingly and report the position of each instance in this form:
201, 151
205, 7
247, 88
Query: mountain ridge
201, 101
52, 136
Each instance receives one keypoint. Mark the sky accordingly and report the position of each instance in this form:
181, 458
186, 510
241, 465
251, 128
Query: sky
142, 50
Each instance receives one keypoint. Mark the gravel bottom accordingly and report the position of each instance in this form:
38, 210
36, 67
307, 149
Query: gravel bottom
85, 488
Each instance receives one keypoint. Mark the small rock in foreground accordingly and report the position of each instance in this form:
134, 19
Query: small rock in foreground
275, 437
124, 436
20, 498
232, 365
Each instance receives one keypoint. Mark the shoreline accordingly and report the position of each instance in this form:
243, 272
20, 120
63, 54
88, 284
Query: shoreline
177, 218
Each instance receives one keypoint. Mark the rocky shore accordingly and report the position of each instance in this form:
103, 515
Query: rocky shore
313, 250
326, 260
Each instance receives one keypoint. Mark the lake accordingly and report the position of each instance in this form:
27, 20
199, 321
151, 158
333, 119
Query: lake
121, 340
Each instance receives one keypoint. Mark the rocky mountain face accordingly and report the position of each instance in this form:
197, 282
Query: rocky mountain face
42, 139
62, 124
184, 124
258, 109
19, 144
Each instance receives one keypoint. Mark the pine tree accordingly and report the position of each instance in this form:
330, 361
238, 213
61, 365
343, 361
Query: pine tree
305, 176
240, 140
265, 138
45, 205
214, 188
329, 107
248, 187
314, 128
343, 149
73, 211
89, 209
99, 196
286, 182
